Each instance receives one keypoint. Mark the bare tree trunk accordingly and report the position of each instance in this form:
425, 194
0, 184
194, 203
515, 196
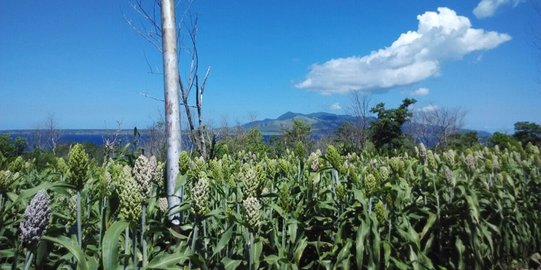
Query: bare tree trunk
172, 104
360, 109
52, 133
197, 130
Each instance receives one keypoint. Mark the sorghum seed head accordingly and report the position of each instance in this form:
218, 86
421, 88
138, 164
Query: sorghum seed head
252, 215
36, 219
78, 165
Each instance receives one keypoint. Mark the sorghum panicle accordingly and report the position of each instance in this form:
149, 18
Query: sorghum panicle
36, 219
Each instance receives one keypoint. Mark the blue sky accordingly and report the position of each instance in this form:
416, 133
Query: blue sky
81, 62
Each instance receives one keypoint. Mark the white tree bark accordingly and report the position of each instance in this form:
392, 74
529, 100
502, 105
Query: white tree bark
172, 104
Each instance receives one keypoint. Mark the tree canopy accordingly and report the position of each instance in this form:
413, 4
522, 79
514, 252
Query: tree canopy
528, 132
386, 130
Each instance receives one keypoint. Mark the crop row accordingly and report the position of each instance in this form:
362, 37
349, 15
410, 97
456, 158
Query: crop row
474, 209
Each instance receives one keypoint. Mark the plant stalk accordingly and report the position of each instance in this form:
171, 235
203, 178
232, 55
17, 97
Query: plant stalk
79, 229
134, 249
194, 237
143, 242
250, 250
126, 246
28, 259
205, 235
284, 233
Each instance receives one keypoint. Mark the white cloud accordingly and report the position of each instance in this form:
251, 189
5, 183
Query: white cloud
487, 8
420, 92
429, 108
415, 56
335, 107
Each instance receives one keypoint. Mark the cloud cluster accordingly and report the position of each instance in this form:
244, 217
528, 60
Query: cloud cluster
335, 107
414, 56
487, 8
420, 92
428, 108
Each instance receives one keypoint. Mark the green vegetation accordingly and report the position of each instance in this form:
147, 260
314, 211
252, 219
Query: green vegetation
386, 130
528, 132
279, 205
477, 208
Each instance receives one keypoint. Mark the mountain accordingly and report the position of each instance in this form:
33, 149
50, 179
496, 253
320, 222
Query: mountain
322, 123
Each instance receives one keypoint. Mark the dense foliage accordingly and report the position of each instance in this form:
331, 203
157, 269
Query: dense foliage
386, 130
478, 208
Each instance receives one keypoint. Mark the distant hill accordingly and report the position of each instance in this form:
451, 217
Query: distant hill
322, 123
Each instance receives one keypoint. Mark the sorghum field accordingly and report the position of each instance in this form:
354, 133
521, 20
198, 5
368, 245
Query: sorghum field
476, 209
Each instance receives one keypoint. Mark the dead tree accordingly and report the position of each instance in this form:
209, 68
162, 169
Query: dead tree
52, 133
434, 127
197, 133
172, 106
192, 85
47, 135
360, 109
110, 143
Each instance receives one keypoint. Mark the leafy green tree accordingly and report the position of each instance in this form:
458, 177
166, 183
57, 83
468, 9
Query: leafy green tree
299, 133
504, 140
528, 132
20, 145
386, 130
6, 146
251, 141
463, 140
12, 148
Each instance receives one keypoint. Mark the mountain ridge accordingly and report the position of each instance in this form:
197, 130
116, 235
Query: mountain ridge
322, 123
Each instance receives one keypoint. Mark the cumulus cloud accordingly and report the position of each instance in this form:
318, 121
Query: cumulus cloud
429, 108
421, 92
335, 107
487, 8
415, 56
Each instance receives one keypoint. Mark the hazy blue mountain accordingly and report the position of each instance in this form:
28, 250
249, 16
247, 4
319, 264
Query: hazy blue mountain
322, 123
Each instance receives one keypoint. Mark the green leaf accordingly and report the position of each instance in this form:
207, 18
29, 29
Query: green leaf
167, 260
258, 249
428, 225
7, 253
272, 259
73, 249
110, 244
292, 230
93, 263
178, 235
224, 240
344, 252
299, 250
460, 248
230, 264
42, 252
278, 209
180, 180
359, 243
386, 253
399, 264
214, 213
12, 196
